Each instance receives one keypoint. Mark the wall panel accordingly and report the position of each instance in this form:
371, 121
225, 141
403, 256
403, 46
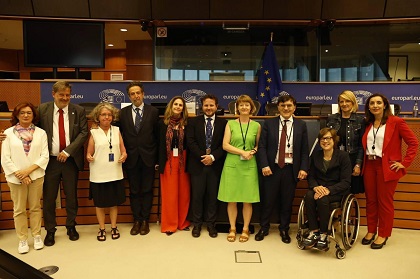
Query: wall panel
297, 9
402, 8
53, 8
128, 9
232, 9
16, 7
356, 9
181, 9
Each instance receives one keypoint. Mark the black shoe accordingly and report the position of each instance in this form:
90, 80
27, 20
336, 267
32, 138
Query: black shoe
196, 231
285, 237
136, 228
378, 246
144, 228
49, 239
311, 240
212, 231
72, 233
368, 241
322, 244
169, 233
260, 235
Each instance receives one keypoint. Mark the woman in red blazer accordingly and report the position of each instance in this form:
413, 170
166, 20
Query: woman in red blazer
385, 165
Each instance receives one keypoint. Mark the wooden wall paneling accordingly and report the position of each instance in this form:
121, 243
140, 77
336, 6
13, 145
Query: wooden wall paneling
9, 60
356, 9
402, 8
128, 9
233, 9
415, 127
139, 60
181, 9
14, 92
53, 8
297, 9
16, 7
115, 59
143, 73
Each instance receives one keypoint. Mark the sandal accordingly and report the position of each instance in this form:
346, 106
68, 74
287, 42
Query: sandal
244, 236
115, 233
101, 235
232, 235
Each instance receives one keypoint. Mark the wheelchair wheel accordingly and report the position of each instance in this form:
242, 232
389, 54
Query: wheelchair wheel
340, 254
302, 226
350, 221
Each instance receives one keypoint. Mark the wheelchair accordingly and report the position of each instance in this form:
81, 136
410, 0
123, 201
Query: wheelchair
344, 215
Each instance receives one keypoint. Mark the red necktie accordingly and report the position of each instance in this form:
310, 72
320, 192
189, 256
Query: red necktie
282, 145
61, 132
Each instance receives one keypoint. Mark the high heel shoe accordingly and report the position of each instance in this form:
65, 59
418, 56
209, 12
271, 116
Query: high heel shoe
378, 246
366, 241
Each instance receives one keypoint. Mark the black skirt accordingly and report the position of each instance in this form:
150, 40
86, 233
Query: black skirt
107, 194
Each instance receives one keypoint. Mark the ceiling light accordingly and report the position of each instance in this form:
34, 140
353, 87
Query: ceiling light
110, 45
326, 50
123, 30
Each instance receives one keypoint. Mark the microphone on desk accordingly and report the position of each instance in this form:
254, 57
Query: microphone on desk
320, 110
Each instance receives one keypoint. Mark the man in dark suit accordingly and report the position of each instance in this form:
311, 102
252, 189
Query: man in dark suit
283, 155
138, 125
67, 130
205, 164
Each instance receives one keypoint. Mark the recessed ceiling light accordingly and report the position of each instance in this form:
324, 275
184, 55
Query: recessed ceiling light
123, 30
110, 45
326, 50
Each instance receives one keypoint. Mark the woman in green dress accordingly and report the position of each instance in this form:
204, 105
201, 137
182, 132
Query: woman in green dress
239, 181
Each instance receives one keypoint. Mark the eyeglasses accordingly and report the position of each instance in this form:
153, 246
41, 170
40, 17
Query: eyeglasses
326, 138
105, 114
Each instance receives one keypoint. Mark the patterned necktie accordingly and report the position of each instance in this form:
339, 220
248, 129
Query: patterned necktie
61, 131
209, 131
138, 120
282, 145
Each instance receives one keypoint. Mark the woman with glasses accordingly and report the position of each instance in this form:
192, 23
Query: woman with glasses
329, 180
350, 128
24, 158
105, 154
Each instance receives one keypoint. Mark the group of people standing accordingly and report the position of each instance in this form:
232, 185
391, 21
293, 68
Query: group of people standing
201, 161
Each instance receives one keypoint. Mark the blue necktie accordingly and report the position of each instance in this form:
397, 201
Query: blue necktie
138, 120
209, 131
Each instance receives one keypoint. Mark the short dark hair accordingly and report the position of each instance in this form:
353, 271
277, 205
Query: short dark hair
285, 98
14, 120
209, 96
135, 83
333, 133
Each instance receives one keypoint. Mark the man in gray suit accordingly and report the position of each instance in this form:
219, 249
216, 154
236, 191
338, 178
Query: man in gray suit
283, 156
67, 131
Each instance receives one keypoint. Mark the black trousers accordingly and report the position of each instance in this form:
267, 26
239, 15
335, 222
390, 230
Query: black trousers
204, 190
319, 209
277, 192
57, 172
140, 179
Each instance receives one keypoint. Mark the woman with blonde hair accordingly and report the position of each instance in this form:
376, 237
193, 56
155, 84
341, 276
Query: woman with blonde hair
350, 128
174, 180
239, 181
105, 154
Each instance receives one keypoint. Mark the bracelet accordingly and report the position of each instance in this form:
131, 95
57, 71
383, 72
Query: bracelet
357, 165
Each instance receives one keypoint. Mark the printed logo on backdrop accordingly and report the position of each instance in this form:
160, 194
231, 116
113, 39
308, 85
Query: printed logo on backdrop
112, 96
361, 96
193, 95
276, 98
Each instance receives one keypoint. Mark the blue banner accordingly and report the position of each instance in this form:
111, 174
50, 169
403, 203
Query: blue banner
403, 94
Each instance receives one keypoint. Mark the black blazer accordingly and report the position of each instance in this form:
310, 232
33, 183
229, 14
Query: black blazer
78, 129
269, 143
196, 139
162, 145
338, 176
141, 144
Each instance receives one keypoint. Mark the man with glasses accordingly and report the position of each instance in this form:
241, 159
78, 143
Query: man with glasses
283, 156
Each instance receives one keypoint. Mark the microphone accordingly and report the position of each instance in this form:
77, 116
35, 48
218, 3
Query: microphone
396, 68
320, 110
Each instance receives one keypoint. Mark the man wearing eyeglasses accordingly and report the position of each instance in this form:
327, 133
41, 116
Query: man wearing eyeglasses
283, 156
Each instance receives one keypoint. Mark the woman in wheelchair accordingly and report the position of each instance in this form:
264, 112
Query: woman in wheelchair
329, 180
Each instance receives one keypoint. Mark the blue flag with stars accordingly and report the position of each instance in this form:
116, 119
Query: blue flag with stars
269, 80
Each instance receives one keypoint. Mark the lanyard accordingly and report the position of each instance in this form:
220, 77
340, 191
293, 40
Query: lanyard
288, 137
374, 136
244, 138
110, 139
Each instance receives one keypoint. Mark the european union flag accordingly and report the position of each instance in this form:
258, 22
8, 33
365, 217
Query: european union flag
269, 80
